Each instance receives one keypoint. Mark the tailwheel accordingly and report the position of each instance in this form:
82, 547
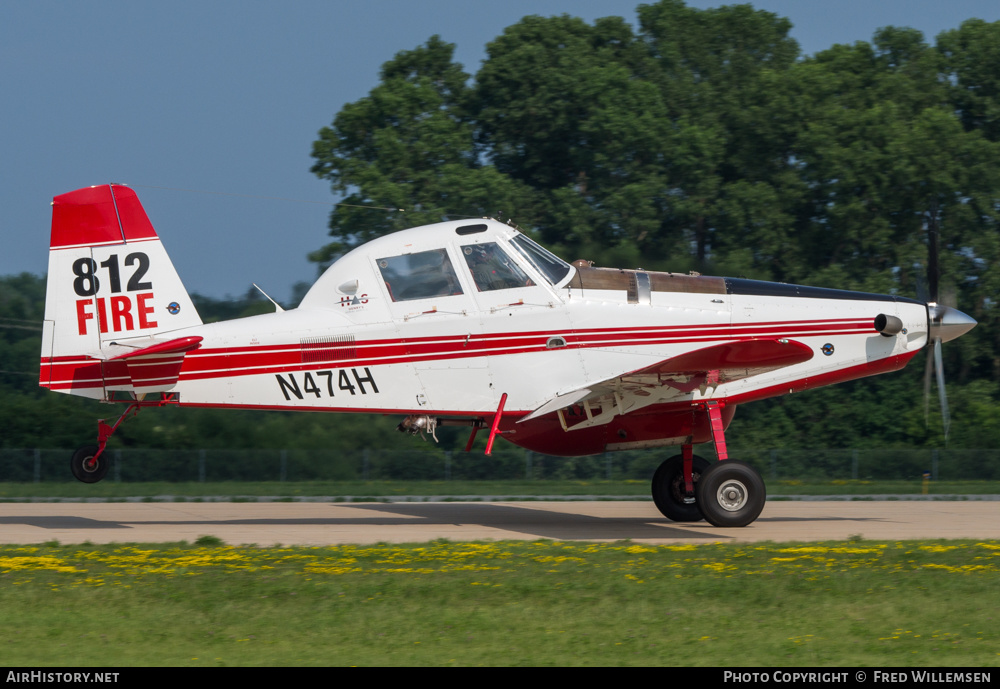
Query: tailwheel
730, 493
87, 465
668, 489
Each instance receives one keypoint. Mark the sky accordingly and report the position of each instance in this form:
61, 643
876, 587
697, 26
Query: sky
209, 109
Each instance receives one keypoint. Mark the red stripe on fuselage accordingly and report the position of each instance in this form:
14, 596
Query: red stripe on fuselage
207, 363
213, 363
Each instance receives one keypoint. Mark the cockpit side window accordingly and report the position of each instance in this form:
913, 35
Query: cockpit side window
492, 268
419, 276
548, 264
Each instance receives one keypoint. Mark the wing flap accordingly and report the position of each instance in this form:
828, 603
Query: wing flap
559, 402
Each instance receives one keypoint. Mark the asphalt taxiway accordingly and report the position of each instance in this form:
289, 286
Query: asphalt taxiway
330, 523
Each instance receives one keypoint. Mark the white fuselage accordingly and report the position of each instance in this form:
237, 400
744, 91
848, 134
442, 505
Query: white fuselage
351, 347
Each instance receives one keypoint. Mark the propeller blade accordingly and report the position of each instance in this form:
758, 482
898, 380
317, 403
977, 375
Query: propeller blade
928, 370
942, 394
945, 323
933, 267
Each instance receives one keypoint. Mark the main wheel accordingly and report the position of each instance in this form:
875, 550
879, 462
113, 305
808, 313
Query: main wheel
730, 493
86, 467
668, 489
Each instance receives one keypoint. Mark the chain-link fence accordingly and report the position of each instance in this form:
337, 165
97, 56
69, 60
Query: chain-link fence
134, 465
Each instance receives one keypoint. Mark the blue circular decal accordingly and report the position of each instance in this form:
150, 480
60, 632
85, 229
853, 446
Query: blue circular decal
174, 308
827, 349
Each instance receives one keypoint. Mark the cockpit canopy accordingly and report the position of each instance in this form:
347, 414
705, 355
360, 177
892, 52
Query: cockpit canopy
436, 262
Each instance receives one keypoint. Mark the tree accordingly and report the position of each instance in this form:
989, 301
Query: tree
972, 59
971, 70
405, 155
720, 71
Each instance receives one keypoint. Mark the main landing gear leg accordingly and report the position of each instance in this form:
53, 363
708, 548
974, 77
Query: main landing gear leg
730, 492
88, 463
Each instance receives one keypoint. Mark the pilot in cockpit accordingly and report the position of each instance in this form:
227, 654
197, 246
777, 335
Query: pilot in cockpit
492, 269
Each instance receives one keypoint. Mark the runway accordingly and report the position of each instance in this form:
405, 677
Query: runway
328, 523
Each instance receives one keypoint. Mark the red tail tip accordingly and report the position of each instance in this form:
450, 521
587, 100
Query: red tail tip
106, 214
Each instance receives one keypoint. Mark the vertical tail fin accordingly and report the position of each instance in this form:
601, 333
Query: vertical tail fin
110, 281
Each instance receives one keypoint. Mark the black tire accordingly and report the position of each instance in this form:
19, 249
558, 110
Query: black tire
85, 468
730, 493
668, 489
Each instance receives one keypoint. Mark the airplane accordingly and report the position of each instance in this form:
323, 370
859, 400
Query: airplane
469, 323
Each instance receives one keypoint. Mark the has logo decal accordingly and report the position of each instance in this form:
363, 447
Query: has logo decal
354, 303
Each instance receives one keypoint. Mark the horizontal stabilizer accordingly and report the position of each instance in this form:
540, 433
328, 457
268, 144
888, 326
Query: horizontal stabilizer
154, 368
178, 346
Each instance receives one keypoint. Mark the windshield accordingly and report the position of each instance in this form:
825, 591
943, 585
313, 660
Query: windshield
492, 268
551, 266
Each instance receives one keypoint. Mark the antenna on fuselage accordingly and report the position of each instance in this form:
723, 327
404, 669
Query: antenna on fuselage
277, 306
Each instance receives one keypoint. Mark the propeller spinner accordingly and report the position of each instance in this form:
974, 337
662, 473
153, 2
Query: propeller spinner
947, 323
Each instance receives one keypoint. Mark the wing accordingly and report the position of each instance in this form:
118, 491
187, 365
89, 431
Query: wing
697, 370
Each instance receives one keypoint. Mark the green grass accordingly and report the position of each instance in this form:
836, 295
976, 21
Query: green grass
858, 603
384, 489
